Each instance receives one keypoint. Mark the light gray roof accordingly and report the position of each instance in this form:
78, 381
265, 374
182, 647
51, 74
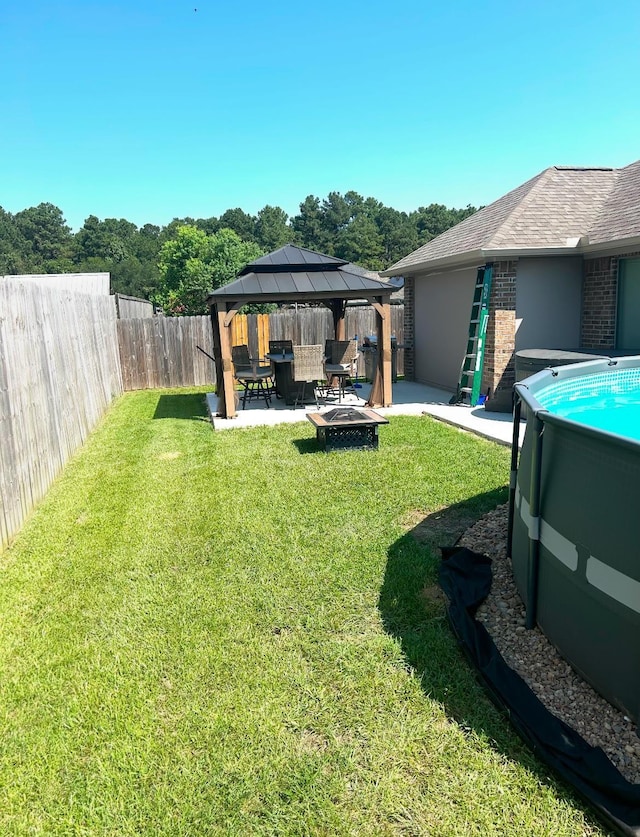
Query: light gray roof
562, 209
620, 216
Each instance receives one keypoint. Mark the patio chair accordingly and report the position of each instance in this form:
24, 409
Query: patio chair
308, 368
256, 380
342, 356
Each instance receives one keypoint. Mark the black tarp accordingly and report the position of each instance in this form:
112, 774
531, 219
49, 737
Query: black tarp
465, 577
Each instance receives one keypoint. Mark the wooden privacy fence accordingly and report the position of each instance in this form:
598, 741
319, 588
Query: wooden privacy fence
132, 307
307, 326
253, 331
59, 371
163, 351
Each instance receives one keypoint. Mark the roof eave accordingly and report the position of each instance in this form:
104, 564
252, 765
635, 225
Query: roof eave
479, 257
614, 246
430, 264
474, 257
245, 299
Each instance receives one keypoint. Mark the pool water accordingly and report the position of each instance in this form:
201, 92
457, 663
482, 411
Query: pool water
605, 400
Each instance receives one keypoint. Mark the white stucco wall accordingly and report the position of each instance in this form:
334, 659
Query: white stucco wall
442, 311
548, 302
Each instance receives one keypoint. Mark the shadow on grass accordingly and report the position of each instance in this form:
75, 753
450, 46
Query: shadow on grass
308, 445
181, 406
313, 446
413, 610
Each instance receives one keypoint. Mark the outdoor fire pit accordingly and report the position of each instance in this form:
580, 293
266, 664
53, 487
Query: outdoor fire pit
345, 428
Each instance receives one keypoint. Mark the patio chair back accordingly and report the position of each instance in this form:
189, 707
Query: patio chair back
343, 352
308, 363
308, 367
240, 357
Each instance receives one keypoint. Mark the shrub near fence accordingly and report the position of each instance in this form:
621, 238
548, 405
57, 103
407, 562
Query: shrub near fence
59, 371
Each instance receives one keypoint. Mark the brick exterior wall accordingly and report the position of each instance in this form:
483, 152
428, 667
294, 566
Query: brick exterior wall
498, 372
599, 298
409, 328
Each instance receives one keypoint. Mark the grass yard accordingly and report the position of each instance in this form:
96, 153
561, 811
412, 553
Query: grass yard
235, 634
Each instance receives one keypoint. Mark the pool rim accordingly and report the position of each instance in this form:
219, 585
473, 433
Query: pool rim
526, 391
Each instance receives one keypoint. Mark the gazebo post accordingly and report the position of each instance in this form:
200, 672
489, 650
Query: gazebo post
381, 391
228, 389
384, 340
338, 309
217, 357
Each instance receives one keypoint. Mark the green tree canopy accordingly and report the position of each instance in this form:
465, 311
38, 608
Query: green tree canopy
309, 226
240, 222
434, 219
398, 232
110, 239
272, 229
16, 254
47, 234
360, 241
118, 247
192, 264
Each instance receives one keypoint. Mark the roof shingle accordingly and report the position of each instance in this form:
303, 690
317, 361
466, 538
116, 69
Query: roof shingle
558, 209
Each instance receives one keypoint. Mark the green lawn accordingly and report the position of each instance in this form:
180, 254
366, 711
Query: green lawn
235, 634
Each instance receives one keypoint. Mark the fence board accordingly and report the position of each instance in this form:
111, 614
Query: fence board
263, 334
239, 331
162, 352
131, 307
59, 371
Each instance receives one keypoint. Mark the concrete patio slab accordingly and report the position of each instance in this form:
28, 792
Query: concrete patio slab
409, 399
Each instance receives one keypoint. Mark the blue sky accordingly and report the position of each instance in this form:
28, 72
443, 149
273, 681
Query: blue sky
149, 110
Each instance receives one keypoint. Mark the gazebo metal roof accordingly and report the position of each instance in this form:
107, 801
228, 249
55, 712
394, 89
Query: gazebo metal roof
291, 254
293, 272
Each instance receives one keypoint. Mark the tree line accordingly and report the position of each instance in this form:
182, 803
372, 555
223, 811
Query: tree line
166, 265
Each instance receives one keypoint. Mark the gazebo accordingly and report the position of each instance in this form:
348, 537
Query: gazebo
294, 274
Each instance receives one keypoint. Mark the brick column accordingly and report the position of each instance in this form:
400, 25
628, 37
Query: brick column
409, 328
498, 373
599, 296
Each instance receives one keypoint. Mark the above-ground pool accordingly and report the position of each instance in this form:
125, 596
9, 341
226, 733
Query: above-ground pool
575, 519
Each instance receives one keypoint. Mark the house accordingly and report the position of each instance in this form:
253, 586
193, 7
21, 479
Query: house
565, 250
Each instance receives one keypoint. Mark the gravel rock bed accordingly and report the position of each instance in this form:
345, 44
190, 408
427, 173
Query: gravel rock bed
529, 653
